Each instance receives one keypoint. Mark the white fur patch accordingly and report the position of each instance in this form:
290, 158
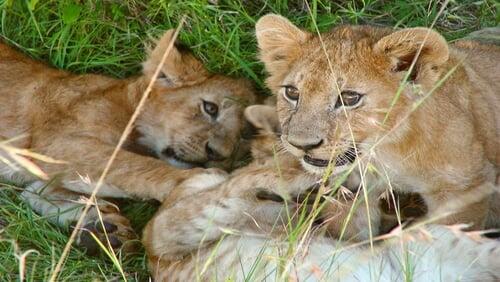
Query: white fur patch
203, 181
213, 217
58, 206
177, 163
435, 255
52, 207
85, 186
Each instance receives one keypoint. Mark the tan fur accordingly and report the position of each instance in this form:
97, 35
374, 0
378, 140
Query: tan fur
193, 219
79, 119
224, 231
447, 149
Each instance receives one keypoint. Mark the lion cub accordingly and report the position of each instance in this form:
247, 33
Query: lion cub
215, 228
424, 113
192, 117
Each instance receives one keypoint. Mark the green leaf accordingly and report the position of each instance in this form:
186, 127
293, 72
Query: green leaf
32, 4
70, 13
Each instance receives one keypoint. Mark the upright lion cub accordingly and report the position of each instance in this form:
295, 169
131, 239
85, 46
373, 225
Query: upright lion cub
191, 117
424, 113
241, 228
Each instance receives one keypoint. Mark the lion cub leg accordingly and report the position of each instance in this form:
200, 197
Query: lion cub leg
64, 207
250, 201
347, 218
469, 206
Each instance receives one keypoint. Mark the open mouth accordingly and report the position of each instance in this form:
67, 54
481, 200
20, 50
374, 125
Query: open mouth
347, 157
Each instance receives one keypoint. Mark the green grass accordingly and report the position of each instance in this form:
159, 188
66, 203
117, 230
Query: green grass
108, 37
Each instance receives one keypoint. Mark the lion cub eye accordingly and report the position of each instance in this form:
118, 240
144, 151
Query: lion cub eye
350, 99
291, 93
210, 108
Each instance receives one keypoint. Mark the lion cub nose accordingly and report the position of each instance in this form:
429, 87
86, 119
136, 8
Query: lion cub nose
212, 154
305, 145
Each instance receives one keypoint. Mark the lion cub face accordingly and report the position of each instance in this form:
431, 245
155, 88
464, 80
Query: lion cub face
192, 117
335, 92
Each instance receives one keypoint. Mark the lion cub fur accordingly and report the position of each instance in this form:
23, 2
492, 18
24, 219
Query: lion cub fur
427, 118
78, 119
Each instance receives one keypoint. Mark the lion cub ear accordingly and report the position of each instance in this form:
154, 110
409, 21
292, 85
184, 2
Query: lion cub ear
264, 118
428, 46
181, 68
279, 41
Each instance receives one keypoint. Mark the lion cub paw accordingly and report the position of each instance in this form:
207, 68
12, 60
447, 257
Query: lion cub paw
208, 178
120, 234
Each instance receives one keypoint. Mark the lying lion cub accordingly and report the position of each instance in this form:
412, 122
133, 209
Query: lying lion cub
191, 117
236, 229
423, 113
